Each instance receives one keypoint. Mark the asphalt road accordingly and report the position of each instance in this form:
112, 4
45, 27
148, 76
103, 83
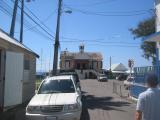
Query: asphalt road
99, 102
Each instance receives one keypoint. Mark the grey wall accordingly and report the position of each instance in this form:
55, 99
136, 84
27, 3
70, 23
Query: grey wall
29, 84
2, 62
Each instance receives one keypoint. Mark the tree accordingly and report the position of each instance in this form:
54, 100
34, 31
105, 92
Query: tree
145, 28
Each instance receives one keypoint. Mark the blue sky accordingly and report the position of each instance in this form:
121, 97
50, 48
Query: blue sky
85, 27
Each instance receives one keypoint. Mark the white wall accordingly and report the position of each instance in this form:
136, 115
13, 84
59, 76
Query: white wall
158, 15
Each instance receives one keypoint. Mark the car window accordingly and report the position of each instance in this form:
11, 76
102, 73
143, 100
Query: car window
57, 86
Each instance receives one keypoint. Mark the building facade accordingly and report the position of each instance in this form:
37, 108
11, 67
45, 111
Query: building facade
81, 60
17, 72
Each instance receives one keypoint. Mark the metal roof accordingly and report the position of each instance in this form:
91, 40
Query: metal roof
84, 55
153, 37
5, 36
118, 67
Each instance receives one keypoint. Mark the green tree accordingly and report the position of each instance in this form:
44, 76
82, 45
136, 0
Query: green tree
143, 29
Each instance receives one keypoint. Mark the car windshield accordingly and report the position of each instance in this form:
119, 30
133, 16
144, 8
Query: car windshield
57, 86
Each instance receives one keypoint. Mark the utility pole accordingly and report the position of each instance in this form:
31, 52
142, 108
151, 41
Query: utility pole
22, 16
110, 63
110, 69
13, 18
56, 45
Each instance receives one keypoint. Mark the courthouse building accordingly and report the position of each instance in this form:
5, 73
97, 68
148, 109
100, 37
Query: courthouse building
88, 62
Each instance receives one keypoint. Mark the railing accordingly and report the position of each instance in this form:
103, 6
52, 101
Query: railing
140, 73
139, 79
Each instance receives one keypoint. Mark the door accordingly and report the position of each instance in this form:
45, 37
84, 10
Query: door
13, 79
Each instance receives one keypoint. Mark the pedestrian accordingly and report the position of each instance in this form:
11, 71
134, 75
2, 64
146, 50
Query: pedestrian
148, 105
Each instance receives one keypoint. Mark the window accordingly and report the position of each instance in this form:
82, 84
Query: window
26, 64
78, 65
57, 86
67, 64
84, 66
101, 64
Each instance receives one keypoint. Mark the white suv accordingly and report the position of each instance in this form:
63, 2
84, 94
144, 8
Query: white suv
57, 99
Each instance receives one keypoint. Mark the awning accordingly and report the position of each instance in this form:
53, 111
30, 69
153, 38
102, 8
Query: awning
153, 37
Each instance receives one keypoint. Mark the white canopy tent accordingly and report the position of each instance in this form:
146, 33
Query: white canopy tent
118, 68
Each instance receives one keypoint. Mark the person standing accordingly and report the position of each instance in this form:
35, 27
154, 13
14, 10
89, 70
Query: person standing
148, 105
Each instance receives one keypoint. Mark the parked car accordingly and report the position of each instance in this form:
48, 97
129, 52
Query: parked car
75, 75
102, 77
129, 82
57, 99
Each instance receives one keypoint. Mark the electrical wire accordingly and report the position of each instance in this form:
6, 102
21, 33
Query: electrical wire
39, 25
74, 40
5, 7
99, 41
37, 18
104, 45
94, 4
102, 42
114, 13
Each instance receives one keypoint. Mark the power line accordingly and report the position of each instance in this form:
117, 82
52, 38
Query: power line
46, 19
8, 10
109, 45
37, 18
62, 37
74, 40
104, 45
102, 42
95, 3
71, 39
37, 24
40, 26
127, 13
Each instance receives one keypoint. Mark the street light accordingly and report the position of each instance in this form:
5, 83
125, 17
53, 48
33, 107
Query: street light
68, 11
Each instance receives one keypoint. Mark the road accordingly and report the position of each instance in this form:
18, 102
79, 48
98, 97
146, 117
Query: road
101, 104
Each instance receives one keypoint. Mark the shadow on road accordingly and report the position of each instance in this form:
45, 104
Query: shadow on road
105, 103
85, 113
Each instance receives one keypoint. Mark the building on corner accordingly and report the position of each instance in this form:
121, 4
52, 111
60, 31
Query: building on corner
85, 63
17, 72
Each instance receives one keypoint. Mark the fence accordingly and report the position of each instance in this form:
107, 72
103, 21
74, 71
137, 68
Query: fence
140, 73
139, 79
119, 89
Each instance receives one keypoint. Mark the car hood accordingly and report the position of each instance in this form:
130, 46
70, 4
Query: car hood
53, 99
